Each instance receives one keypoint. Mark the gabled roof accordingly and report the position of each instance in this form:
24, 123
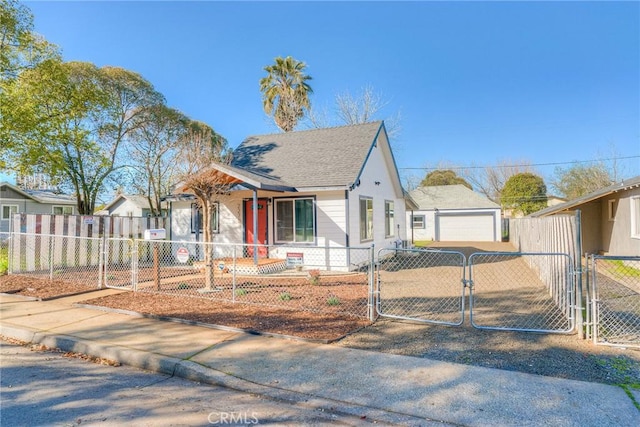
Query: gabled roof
42, 196
331, 157
450, 197
137, 200
618, 186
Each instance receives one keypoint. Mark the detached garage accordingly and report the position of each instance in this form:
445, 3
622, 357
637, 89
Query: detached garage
453, 213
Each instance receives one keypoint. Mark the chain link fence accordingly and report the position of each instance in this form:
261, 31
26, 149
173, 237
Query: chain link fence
421, 285
522, 291
614, 291
58, 259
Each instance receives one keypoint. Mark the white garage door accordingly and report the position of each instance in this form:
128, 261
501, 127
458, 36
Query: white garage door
471, 228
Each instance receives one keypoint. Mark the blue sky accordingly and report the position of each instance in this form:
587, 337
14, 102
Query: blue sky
474, 82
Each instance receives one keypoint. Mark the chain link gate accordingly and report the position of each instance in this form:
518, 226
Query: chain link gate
421, 285
529, 292
615, 300
507, 291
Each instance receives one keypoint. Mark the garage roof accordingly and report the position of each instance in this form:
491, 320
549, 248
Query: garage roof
450, 197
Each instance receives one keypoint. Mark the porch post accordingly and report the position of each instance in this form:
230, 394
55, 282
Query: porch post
255, 227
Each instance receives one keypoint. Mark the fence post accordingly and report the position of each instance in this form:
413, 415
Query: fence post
102, 254
50, 258
372, 273
578, 273
135, 265
233, 280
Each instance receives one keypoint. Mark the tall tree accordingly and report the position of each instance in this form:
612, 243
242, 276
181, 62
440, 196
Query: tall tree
490, 180
153, 151
202, 147
443, 177
524, 192
70, 120
364, 107
579, 179
285, 92
20, 47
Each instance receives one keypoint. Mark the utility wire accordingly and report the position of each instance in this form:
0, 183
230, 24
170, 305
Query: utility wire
524, 164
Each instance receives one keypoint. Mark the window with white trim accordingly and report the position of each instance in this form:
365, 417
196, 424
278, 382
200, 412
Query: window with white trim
388, 219
366, 219
295, 220
635, 217
613, 206
62, 210
8, 210
197, 222
417, 221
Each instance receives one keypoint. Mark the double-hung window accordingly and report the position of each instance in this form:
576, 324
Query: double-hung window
366, 219
62, 210
197, 221
8, 210
295, 220
417, 221
388, 219
635, 217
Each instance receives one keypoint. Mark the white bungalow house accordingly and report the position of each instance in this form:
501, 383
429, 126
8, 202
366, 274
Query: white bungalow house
129, 205
452, 213
323, 188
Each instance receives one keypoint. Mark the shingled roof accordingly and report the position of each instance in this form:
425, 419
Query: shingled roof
314, 158
450, 197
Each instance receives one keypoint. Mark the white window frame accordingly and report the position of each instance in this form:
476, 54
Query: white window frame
293, 200
612, 205
195, 207
389, 218
17, 210
635, 217
413, 222
366, 222
63, 208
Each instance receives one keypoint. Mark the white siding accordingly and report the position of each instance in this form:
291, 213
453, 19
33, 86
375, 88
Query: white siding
482, 228
376, 182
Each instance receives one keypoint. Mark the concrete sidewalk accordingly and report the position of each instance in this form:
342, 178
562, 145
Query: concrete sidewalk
386, 388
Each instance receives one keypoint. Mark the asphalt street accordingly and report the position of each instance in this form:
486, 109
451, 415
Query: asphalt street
42, 388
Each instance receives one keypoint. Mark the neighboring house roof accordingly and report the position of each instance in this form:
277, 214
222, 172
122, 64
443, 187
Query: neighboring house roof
450, 197
331, 157
42, 196
139, 201
619, 186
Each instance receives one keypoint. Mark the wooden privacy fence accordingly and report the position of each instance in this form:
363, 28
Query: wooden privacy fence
86, 225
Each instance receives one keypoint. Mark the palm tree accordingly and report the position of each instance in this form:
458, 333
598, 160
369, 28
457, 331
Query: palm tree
285, 92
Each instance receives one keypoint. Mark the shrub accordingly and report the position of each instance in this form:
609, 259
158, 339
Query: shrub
314, 276
285, 296
333, 301
240, 292
4, 261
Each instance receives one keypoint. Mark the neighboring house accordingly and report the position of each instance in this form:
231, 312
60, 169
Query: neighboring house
551, 201
130, 205
334, 187
16, 200
610, 218
452, 213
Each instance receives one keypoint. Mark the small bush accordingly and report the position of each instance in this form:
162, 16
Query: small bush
333, 301
4, 261
240, 292
285, 296
183, 286
314, 276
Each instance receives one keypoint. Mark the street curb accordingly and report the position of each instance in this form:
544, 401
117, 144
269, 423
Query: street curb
193, 371
210, 325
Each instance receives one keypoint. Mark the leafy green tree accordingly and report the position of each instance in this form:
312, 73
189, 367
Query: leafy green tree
285, 92
580, 179
20, 47
524, 192
70, 120
443, 177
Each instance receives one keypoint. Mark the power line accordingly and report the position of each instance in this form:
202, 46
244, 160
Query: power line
524, 164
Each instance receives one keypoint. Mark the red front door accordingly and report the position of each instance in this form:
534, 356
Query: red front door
262, 226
